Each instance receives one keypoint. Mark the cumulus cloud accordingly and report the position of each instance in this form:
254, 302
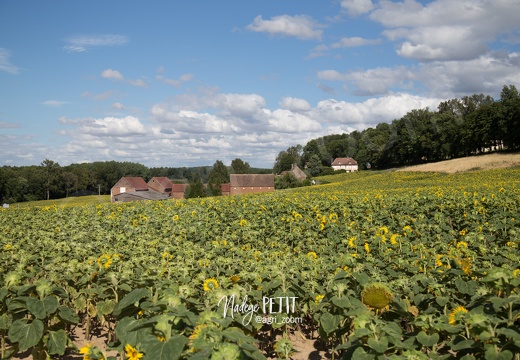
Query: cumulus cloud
371, 111
357, 7
378, 81
300, 26
449, 79
111, 74
445, 29
5, 63
83, 43
294, 104
223, 127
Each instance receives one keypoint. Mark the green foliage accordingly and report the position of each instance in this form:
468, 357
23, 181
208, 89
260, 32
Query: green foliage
238, 166
218, 175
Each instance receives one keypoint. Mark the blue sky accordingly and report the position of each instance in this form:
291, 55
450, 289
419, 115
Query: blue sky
186, 83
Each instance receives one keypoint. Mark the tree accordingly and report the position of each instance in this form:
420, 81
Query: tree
195, 189
287, 181
314, 165
218, 175
510, 116
71, 182
51, 173
286, 158
239, 167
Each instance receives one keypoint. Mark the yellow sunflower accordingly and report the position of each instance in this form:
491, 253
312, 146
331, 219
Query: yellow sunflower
132, 353
312, 255
210, 284
455, 314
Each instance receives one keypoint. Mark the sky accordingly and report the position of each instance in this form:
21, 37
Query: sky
186, 83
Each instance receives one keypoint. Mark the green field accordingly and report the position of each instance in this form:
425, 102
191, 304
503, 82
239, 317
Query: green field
393, 265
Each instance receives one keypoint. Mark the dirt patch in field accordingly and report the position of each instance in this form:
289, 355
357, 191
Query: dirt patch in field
472, 163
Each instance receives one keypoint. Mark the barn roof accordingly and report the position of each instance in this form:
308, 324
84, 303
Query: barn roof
134, 181
252, 180
163, 181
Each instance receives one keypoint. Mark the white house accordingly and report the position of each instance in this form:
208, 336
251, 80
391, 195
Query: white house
347, 164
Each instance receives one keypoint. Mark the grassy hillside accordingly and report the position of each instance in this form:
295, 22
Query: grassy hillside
66, 202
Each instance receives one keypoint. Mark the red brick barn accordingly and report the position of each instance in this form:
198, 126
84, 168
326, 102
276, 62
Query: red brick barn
250, 183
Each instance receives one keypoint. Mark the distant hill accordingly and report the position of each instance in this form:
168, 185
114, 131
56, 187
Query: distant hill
471, 163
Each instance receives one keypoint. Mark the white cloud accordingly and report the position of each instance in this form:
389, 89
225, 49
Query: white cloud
354, 41
5, 64
111, 126
372, 111
225, 126
175, 82
82, 43
118, 106
117, 76
376, 81
357, 7
54, 103
289, 122
295, 104
300, 26
445, 29
112, 74
138, 83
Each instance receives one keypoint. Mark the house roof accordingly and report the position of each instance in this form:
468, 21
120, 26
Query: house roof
135, 182
163, 181
295, 169
252, 180
344, 161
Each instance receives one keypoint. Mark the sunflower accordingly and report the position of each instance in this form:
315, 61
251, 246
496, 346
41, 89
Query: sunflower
234, 278
312, 255
318, 299
455, 314
132, 353
85, 351
351, 242
91, 352
210, 284
377, 295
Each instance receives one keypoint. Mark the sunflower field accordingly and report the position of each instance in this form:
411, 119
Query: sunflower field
372, 265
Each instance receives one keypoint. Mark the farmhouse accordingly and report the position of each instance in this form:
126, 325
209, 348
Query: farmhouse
296, 171
133, 188
250, 183
161, 184
348, 164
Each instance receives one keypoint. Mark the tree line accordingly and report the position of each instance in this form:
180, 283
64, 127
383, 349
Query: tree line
49, 180
461, 127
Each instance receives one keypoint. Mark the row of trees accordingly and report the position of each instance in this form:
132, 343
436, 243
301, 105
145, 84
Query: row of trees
460, 127
50, 180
